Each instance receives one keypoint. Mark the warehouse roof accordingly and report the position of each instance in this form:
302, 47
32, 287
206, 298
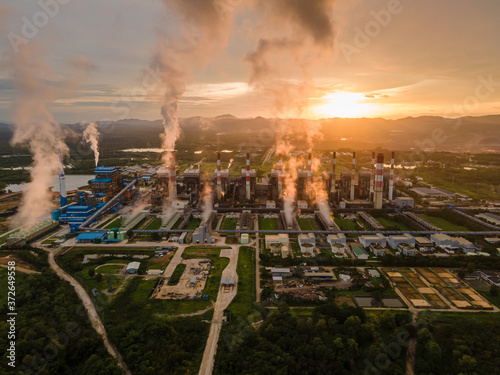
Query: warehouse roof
101, 180
90, 236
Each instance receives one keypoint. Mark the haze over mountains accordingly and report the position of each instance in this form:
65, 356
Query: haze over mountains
470, 134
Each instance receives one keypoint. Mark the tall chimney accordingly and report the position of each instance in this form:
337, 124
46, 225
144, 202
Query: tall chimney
371, 176
280, 177
219, 182
63, 196
379, 182
391, 178
353, 175
248, 177
172, 186
334, 165
309, 176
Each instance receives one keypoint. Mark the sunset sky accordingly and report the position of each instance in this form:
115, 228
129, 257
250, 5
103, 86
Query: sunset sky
426, 58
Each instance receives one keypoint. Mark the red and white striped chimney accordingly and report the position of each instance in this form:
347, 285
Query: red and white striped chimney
379, 182
173, 179
219, 182
248, 177
353, 174
280, 177
371, 175
309, 175
391, 178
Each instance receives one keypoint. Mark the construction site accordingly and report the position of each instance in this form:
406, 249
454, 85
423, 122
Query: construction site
191, 282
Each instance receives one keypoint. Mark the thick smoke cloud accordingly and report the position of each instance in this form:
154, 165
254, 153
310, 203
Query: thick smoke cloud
203, 32
302, 33
35, 128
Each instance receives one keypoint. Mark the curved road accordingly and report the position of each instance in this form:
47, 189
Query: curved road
89, 306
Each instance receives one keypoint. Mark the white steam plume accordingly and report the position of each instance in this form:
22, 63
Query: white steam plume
91, 135
207, 201
36, 128
203, 32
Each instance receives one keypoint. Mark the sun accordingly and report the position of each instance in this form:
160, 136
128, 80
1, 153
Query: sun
343, 104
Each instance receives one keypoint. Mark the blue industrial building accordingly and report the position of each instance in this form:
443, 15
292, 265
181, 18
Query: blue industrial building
76, 215
92, 237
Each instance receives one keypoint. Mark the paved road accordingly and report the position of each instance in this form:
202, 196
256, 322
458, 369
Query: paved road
257, 262
175, 261
223, 301
89, 306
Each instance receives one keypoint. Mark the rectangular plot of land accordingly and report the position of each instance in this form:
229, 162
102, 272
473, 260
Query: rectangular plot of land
394, 274
426, 291
444, 274
420, 303
483, 304
392, 302
461, 304
363, 301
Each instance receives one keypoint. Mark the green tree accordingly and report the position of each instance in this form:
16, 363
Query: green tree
494, 291
98, 277
91, 272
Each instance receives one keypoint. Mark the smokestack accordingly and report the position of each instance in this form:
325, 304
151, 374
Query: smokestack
219, 182
309, 176
353, 175
334, 177
371, 176
280, 177
391, 178
173, 179
62, 183
248, 177
379, 182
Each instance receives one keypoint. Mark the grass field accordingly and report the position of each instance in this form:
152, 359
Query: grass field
346, 224
242, 304
197, 252
268, 224
174, 279
445, 224
192, 224
154, 224
91, 282
110, 268
229, 224
392, 223
307, 224
494, 300
114, 224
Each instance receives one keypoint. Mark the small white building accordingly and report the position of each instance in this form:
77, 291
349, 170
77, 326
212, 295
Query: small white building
283, 272
133, 267
396, 240
270, 204
404, 202
302, 205
443, 240
367, 240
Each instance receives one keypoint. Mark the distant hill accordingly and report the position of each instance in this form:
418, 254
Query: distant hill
472, 134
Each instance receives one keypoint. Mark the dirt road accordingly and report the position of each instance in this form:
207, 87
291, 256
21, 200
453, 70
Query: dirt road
89, 306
